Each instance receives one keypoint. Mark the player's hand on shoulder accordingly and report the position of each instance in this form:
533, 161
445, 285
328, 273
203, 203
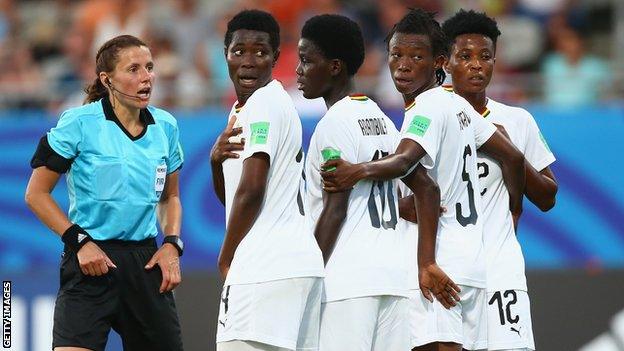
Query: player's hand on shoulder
339, 175
93, 261
503, 131
169, 262
435, 283
228, 143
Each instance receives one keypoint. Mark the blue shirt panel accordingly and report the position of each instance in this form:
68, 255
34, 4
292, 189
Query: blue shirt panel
115, 182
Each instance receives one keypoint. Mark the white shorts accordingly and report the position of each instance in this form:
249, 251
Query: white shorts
283, 313
372, 323
509, 320
465, 323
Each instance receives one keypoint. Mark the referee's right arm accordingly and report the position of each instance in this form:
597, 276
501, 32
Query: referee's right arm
38, 197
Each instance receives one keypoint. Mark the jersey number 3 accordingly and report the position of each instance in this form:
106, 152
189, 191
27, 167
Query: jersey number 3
382, 192
472, 216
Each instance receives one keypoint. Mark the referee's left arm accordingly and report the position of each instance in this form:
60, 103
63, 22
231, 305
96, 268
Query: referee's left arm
169, 207
169, 214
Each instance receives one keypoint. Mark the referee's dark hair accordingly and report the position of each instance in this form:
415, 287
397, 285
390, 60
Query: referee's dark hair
470, 22
418, 21
105, 61
338, 37
254, 20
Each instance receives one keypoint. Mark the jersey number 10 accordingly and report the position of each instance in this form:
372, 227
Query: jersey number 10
382, 193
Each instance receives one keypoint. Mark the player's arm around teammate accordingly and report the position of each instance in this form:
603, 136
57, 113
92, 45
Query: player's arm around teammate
412, 77
513, 167
541, 187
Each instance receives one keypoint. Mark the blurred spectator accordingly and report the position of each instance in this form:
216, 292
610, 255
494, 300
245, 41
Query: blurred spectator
101, 20
571, 77
46, 46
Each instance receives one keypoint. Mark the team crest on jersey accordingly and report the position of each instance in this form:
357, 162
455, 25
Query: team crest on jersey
419, 125
464, 119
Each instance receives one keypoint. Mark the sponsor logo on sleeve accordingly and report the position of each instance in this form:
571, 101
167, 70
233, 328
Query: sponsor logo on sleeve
259, 133
419, 125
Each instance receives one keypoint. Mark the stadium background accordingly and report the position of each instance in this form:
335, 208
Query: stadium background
574, 253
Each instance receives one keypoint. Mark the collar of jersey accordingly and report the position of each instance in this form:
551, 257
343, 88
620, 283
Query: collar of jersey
358, 97
238, 107
144, 115
485, 112
410, 105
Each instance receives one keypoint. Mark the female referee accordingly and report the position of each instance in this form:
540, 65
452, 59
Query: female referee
122, 159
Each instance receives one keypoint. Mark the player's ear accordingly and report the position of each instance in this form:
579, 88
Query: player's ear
225, 51
336, 66
275, 57
104, 79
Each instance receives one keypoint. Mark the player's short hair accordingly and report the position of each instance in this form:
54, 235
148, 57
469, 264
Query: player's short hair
418, 21
254, 20
338, 37
470, 22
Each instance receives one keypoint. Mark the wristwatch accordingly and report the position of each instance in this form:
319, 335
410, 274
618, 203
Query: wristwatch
175, 241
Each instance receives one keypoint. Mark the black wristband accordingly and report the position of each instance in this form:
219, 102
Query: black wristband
176, 242
75, 237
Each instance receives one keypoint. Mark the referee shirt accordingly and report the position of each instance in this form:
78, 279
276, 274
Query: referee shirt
115, 179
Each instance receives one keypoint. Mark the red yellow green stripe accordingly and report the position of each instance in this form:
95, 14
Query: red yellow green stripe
410, 105
358, 97
238, 107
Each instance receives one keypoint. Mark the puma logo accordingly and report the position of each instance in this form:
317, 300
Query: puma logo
225, 301
516, 330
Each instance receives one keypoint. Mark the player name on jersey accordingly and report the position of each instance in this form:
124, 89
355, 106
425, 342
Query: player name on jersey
373, 126
464, 119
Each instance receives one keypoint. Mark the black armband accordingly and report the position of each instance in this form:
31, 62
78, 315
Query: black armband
75, 237
46, 156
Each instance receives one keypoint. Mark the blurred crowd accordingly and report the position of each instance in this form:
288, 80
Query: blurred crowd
561, 52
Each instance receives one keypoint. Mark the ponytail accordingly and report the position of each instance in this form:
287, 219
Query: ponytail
95, 91
440, 76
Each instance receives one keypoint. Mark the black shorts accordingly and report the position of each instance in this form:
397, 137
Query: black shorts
126, 299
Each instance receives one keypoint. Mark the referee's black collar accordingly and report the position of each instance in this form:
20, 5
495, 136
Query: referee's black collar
144, 115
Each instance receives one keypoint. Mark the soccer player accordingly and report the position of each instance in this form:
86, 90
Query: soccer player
473, 52
122, 157
365, 300
442, 132
272, 267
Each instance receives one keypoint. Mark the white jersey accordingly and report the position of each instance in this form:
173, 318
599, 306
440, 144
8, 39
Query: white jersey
275, 247
368, 258
505, 263
411, 232
450, 131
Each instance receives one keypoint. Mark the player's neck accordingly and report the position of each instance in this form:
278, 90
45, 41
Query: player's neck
338, 91
477, 100
242, 96
409, 98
